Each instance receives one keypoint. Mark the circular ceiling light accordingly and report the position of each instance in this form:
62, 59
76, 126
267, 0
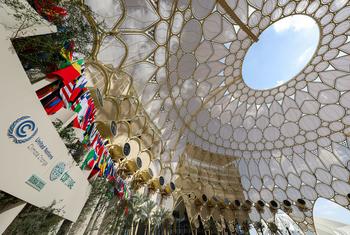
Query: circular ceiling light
282, 51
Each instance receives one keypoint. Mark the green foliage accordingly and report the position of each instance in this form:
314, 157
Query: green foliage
34, 220
42, 52
160, 217
212, 225
76, 148
77, 28
100, 194
140, 210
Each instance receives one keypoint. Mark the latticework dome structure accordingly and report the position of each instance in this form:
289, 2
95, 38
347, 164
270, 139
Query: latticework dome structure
170, 72
185, 61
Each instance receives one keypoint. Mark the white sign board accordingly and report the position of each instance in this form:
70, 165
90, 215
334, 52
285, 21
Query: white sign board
36, 166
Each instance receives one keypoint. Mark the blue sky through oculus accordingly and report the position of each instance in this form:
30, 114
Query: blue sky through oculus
329, 210
282, 51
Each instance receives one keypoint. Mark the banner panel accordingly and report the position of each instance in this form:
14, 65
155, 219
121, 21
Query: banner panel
36, 165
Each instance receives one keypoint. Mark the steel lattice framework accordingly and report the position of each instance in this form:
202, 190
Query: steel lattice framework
184, 61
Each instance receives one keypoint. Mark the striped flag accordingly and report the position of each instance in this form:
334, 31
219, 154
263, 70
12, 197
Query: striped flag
70, 92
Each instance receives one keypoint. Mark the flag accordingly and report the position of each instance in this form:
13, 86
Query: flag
67, 74
47, 90
87, 118
102, 165
101, 150
94, 171
110, 165
81, 105
87, 133
89, 160
52, 103
77, 88
76, 123
92, 140
70, 92
67, 51
66, 93
76, 107
126, 192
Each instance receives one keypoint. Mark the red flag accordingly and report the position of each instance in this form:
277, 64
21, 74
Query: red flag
67, 74
91, 163
76, 123
53, 105
47, 90
93, 172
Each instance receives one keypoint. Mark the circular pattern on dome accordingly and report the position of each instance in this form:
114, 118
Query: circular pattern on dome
226, 131
200, 99
239, 134
254, 135
214, 126
330, 113
271, 133
289, 129
309, 122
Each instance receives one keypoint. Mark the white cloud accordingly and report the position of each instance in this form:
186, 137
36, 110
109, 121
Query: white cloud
280, 82
295, 23
303, 58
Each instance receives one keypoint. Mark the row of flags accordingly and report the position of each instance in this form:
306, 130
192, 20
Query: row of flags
69, 91
66, 90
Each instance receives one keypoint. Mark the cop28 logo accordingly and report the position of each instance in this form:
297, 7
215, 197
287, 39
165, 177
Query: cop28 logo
57, 171
22, 130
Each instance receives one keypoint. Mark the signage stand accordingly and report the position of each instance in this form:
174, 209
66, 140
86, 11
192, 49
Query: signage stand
41, 169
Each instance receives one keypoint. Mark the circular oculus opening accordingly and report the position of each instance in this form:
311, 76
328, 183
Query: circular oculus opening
284, 49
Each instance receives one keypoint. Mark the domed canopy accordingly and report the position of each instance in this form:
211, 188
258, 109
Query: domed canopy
185, 61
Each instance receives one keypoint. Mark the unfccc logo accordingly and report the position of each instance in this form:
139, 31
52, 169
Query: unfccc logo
57, 171
22, 130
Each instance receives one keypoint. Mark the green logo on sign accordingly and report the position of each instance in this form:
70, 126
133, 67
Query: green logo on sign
57, 171
35, 182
